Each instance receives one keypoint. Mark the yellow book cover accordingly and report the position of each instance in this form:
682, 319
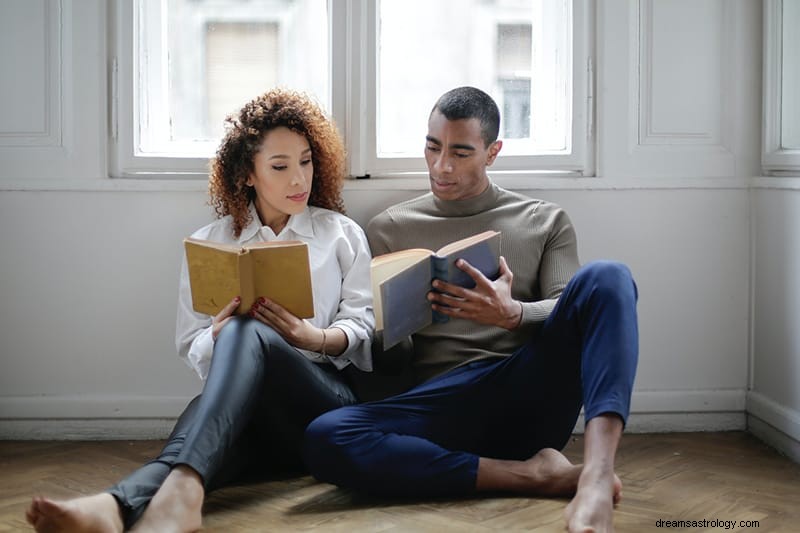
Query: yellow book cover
278, 270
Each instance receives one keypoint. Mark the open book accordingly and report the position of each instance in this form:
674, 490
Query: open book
278, 270
401, 281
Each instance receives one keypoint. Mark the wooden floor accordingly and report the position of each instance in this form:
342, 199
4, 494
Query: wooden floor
699, 476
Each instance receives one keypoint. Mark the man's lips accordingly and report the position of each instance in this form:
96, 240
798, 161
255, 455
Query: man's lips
442, 184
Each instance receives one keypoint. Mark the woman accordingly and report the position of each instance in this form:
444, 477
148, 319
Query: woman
278, 175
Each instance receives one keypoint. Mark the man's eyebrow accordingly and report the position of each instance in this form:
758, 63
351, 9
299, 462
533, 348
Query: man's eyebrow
456, 146
462, 147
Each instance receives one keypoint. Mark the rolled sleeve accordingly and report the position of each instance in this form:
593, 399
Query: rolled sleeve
355, 315
193, 332
200, 352
358, 350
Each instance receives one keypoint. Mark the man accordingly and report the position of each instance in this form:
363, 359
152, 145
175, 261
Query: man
507, 374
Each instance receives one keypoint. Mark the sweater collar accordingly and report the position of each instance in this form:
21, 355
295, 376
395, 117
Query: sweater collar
471, 206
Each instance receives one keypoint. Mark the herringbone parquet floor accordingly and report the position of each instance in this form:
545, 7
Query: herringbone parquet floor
670, 477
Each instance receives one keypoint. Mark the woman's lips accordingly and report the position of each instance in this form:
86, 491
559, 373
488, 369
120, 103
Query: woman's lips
298, 197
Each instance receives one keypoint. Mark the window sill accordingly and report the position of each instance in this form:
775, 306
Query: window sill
418, 182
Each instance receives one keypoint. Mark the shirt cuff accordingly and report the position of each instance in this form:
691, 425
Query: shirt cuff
358, 351
535, 313
201, 351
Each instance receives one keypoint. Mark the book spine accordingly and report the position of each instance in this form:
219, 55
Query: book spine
439, 271
246, 283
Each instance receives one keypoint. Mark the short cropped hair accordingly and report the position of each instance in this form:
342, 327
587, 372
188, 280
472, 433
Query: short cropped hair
469, 102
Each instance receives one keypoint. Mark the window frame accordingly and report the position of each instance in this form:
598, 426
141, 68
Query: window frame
775, 159
352, 82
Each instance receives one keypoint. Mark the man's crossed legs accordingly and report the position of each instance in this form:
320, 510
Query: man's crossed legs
497, 424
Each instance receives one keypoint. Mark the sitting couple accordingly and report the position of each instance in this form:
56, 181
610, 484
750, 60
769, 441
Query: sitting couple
500, 384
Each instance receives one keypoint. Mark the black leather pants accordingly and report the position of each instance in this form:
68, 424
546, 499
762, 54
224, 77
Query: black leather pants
260, 395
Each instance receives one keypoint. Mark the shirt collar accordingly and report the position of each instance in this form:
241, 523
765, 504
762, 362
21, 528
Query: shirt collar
300, 224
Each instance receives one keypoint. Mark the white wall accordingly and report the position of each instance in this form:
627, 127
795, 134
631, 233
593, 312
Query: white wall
774, 399
88, 269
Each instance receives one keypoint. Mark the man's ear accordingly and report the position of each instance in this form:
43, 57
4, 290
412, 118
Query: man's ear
494, 149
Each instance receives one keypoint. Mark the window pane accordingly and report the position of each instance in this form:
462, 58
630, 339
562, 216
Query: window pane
790, 75
206, 58
241, 59
516, 50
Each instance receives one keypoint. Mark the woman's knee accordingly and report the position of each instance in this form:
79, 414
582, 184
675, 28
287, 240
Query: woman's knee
243, 327
245, 343
243, 333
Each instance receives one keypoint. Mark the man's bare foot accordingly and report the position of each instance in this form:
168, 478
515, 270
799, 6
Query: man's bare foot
592, 508
177, 506
98, 513
548, 473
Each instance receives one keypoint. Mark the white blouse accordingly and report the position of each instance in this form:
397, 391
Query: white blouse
339, 258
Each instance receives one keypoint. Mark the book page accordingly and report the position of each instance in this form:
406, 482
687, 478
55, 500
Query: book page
406, 308
232, 248
385, 266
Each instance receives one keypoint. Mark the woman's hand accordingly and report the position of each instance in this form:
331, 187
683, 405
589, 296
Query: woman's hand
297, 332
225, 314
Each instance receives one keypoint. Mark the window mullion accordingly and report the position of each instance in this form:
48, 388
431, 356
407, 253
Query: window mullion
352, 49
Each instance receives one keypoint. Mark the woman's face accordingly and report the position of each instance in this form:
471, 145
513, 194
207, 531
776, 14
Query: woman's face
282, 176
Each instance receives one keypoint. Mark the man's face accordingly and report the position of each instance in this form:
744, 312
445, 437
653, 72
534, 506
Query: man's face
457, 158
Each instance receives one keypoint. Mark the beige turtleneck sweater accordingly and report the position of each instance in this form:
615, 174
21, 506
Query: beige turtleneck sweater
538, 242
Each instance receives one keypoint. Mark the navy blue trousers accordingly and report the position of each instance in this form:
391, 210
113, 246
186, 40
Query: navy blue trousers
428, 441
259, 396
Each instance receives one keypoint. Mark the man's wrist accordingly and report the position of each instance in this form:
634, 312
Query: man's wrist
515, 320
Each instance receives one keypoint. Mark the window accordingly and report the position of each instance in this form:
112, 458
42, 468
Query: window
377, 65
781, 150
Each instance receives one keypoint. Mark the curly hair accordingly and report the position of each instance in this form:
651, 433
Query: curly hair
245, 131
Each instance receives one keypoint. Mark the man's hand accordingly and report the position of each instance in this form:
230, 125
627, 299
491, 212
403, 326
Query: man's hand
489, 302
297, 332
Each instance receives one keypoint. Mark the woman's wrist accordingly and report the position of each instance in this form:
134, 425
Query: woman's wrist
323, 348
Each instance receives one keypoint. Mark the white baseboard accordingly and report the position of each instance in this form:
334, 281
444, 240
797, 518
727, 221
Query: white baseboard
680, 422
159, 428
774, 437
149, 417
87, 429
91, 407
779, 416
89, 417
775, 424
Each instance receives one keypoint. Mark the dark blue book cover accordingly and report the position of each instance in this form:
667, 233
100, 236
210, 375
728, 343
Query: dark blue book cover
483, 255
404, 306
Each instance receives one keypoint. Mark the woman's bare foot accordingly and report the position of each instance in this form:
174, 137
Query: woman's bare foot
548, 473
592, 508
177, 506
98, 513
